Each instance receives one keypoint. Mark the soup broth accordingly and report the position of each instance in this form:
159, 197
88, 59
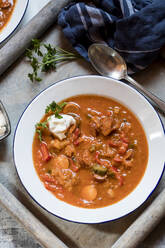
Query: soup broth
98, 159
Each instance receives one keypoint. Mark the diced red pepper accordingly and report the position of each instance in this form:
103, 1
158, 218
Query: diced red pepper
124, 138
114, 143
49, 179
97, 158
53, 187
49, 187
76, 133
74, 167
76, 142
76, 136
45, 152
105, 163
112, 168
118, 158
123, 148
117, 174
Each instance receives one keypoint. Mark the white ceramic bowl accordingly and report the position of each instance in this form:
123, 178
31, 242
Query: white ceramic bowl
14, 21
89, 85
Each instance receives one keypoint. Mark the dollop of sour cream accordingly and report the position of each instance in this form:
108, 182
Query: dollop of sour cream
59, 126
2, 124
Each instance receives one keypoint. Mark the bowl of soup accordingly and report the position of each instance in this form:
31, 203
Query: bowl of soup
89, 149
11, 14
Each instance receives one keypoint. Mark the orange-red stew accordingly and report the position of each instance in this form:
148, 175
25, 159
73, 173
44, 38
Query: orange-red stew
102, 158
6, 9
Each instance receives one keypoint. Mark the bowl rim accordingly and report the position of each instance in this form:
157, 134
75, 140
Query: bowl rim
18, 22
70, 220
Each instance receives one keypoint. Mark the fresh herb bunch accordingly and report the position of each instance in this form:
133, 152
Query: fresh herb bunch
46, 60
53, 108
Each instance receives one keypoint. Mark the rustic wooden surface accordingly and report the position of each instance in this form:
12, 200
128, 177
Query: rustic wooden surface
39, 231
144, 224
40, 23
16, 91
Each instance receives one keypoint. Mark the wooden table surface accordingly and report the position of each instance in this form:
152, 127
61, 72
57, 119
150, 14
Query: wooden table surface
16, 91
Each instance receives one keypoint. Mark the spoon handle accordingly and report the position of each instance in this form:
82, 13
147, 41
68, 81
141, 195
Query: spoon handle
156, 100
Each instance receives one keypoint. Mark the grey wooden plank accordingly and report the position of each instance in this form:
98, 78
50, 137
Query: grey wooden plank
39, 231
33, 29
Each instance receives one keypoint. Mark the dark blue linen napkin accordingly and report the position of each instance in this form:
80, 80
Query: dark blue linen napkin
134, 28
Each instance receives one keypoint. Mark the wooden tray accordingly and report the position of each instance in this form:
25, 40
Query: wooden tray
17, 92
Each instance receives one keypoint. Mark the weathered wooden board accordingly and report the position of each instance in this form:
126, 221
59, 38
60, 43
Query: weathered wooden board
16, 91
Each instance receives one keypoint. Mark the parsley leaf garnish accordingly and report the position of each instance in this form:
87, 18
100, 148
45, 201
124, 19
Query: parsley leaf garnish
42, 124
39, 129
45, 57
57, 115
51, 107
55, 108
39, 134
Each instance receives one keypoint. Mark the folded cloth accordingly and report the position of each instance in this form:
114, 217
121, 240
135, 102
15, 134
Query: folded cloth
134, 28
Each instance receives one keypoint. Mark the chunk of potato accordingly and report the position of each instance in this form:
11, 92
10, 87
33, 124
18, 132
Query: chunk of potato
111, 193
59, 145
70, 150
89, 192
62, 162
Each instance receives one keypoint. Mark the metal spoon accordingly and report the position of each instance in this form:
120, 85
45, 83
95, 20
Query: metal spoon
109, 63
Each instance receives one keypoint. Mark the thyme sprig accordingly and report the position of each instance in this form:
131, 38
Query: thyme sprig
46, 59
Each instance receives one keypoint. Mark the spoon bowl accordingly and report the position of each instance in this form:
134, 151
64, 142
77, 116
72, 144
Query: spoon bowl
109, 63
